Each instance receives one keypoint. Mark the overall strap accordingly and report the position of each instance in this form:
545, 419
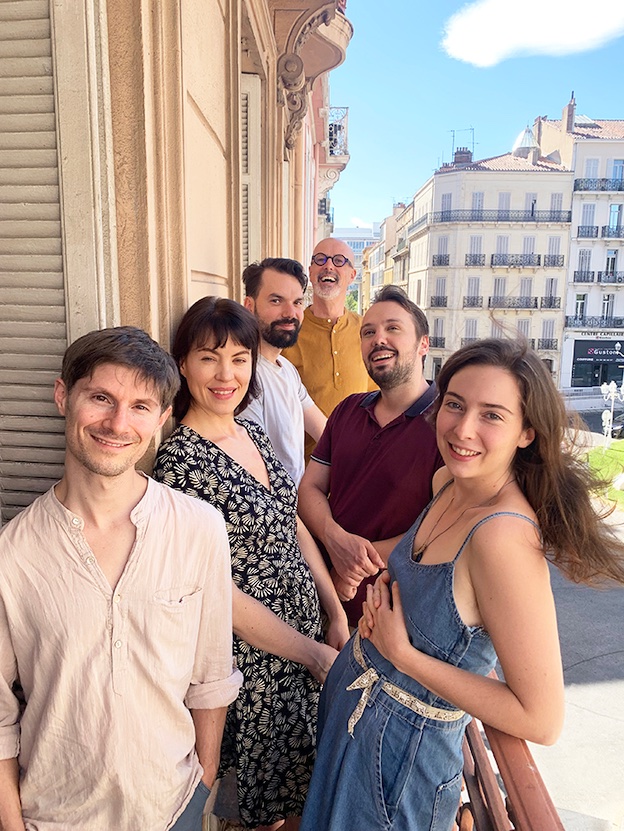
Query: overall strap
486, 519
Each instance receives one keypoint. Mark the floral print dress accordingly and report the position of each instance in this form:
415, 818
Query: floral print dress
269, 734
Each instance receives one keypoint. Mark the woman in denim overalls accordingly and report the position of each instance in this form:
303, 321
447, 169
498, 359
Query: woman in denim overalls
467, 584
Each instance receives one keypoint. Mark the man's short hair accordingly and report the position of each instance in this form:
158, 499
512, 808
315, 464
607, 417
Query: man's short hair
395, 294
252, 275
126, 346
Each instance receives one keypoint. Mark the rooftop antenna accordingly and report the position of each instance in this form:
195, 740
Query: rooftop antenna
470, 130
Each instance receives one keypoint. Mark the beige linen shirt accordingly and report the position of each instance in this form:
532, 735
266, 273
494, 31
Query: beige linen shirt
106, 742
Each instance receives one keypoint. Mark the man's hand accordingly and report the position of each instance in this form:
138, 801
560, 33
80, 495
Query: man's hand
344, 590
353, 557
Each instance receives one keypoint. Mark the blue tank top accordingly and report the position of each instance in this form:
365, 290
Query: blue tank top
433, 622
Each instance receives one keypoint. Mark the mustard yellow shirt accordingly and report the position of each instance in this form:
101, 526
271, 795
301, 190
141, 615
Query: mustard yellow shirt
329, 360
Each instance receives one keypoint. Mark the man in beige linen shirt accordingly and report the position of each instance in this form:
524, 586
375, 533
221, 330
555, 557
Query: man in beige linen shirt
115, 617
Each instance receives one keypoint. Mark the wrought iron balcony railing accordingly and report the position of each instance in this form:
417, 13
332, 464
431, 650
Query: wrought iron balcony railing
401, 244
438, 301
611, 277
595, 322
437, 342
599, 184
584, 276
613, 231
466, 341
441, 259
512, 302
502, 216
475, 259
338, 121
547, 343
550, 302
473, 302
423, 220
516, 260
553, 260
587, 231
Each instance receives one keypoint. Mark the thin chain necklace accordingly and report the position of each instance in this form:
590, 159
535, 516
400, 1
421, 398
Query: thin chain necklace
417, 554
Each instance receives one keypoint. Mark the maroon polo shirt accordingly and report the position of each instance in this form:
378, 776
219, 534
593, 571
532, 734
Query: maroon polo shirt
380, 478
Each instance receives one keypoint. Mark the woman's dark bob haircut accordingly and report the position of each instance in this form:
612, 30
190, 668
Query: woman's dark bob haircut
213, 320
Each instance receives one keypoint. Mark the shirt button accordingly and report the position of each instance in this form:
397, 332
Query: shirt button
335, 351
117, 598
337, 373
90, 560
75, 521
117, 644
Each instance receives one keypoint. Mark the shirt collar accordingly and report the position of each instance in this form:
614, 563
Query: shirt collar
417, 408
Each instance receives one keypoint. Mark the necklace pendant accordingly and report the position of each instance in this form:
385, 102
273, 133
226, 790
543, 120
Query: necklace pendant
417, 554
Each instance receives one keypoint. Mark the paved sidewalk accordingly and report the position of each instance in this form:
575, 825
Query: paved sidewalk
584, 771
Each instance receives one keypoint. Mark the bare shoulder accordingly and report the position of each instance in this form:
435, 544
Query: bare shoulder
507, 540
440, 478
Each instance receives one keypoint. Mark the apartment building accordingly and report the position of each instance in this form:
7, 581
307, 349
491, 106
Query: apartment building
148, 151
593, 351
487, 250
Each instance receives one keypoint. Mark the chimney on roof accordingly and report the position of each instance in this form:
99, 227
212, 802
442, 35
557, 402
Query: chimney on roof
567, 116
462, 156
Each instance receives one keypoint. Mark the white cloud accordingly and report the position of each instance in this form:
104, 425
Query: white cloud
486, 32
356, 222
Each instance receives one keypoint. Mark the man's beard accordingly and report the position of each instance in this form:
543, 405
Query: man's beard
389, 379
280, 338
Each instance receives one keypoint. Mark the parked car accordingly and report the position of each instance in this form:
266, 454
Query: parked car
617, 428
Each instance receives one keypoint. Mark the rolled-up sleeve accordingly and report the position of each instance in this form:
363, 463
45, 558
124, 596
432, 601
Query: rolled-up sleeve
215, 681
9, 707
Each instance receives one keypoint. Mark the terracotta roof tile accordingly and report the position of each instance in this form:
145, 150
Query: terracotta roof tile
604, 129
508, 162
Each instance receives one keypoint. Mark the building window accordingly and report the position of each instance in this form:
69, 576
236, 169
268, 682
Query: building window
554, 246
587, 214
528, 245
473, 286
618, 169
551, 287
524, 327
530, 203
556, 203
477, 201
470, 328
526, 287
500, 286
611, 265
443, 245
548, 329
580, 304
607, 305
591, 168
504, 201
615, 216
584, 260
497, 329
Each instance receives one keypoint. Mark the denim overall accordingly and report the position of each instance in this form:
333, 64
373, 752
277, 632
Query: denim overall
398, 770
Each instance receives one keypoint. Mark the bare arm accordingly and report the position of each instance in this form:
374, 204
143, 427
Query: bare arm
208, 733
512, 589
10, 805
314, 421
338, 631
261, 628
353, 556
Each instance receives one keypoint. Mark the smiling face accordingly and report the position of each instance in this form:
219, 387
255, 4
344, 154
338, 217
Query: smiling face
480, 423
110, 419
328, 281
217, 378
391, 349
278, 308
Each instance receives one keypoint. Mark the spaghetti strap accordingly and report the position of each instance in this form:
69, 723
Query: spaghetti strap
486, 519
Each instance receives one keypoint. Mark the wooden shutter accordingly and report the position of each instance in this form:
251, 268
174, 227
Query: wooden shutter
32, 297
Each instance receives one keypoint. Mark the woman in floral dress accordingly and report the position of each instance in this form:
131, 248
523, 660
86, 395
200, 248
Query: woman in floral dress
269, 736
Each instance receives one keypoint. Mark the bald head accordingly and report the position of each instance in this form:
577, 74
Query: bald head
330, 282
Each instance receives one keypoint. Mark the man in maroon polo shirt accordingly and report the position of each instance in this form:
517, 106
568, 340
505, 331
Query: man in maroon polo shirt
370, 474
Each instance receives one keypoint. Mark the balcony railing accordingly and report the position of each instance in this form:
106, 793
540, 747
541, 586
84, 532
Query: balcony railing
574, 322
550, 302
611, 276
584, 276
437, 342
475, 259
473, 302
501, 216
512, 302
438, 301
338, 121
422, 220
547, 343
515, 260
401, 244
613, 231
466, 341
441, 259
553, 260
587, 231
599, 184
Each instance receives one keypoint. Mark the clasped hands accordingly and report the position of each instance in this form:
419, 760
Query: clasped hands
353, 558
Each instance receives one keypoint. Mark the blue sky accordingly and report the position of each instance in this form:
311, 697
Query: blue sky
417, 69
